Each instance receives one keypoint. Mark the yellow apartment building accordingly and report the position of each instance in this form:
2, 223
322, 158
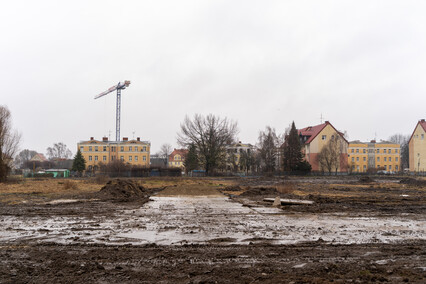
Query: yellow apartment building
417, 148
177, 158
367, 156
133, 152
234, 152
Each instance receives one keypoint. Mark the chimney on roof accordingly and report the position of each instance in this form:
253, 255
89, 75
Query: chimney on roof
327, 122
422, 120
373, 141
125, 139
91, 138
138, 139
104, 139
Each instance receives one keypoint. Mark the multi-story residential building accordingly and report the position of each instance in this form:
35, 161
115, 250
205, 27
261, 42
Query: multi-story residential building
234, 154
177, 158
417, 148
373, 156
314, 138
133, 152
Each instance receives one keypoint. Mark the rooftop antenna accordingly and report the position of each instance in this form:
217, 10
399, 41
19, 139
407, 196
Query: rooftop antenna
120, 86
133, 135
321, 118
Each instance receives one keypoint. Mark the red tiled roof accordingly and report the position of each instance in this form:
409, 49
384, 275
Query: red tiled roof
313, 131
181, 152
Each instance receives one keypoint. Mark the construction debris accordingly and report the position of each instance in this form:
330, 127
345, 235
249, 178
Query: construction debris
289, 201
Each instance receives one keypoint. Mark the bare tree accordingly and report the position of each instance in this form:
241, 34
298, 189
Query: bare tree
402, 140
209, 134
165, 151
58, 151
9, 142
329, 158
268, 149
23, 157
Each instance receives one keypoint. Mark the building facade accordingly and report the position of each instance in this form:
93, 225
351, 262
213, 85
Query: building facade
133, 152
237, 156
314, 138
374, 156
177, 158
417, 148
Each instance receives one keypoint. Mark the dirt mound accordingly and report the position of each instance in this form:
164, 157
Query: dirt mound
123, 190
254, 191
365, 179
413, 181
233, 188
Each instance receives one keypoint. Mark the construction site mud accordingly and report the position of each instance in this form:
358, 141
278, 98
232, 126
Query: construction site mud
215, 231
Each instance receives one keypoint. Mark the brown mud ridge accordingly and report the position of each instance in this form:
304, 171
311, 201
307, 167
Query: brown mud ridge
304, 263
123, 190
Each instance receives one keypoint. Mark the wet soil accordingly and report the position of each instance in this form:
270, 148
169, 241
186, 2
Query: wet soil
393, 252
304, 263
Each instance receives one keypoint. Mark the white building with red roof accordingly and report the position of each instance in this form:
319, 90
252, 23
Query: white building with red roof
314, 138
417, 148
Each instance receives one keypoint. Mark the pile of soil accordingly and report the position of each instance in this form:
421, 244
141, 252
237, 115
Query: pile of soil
233, 188
123, 190
413, 181
255, 191
365, 179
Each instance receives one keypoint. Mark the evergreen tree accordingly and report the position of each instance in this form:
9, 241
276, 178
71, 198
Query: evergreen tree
293, 157
191, 159
79, 163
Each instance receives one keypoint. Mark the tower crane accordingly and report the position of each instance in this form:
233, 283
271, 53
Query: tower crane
120, 86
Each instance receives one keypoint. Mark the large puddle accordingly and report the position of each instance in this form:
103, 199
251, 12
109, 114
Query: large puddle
200, 220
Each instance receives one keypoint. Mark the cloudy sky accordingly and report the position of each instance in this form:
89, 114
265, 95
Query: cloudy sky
359, 64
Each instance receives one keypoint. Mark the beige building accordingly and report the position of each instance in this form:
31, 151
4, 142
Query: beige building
234, 154
177, 158
368, 156
314, 138
417, 148
133, 152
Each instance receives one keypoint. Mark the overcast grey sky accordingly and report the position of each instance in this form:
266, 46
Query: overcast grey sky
361, 64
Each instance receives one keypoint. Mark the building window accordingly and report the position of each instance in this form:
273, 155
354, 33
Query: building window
130, 158
390, 167
136, 148
357, 159
122, 158
396, 159
96, 148
112, 158
113, 149
364, 167
324, 137
396, 167
130, 148
364, 159
390, 159
378, 159
81, 148
104, 158
90, 158
423, 136
386, 167
384, 151
363, 150
357, 150
357, 168
144, 158
122, 149
353, 159
352, 150
396, 151
384, 159
96, 158
144, 148
90, 148
104, 148
136, 158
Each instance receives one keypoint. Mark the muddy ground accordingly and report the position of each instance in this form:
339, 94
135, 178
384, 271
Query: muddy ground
213, 231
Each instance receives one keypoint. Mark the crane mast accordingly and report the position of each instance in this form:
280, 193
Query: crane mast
120, 86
